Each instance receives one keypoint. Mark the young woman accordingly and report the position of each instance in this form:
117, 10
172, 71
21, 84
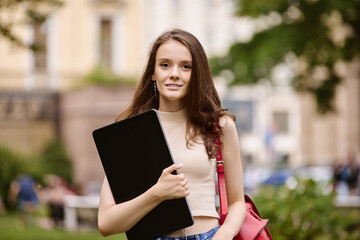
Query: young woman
177, 82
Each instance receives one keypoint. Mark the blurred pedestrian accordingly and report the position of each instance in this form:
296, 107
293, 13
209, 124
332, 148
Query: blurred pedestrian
53, 196
354, 170
346, 176
23, 192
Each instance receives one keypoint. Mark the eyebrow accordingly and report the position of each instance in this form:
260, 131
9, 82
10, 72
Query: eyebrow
166, 59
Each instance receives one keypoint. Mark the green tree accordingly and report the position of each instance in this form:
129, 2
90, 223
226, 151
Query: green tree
31, 15
319, 33
54, 160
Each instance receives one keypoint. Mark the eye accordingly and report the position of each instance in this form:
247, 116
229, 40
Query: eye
187, 66
164, 65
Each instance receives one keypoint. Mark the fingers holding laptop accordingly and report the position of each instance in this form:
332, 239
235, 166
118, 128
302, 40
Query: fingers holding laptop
170, 186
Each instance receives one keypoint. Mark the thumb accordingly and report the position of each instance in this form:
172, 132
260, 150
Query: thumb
173, 168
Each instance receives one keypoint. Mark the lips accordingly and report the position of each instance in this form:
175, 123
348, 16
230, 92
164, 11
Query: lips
173, 85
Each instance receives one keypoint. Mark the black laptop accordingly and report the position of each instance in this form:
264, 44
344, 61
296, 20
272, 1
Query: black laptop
133, 153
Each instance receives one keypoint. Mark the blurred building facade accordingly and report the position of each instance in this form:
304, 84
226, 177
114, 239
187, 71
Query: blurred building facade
330, 138
268, 123
75, 38
275, 124
38, 99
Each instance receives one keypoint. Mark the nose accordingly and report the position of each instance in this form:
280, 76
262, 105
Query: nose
174, 73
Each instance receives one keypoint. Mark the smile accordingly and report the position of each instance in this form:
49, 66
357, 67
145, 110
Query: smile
173, 85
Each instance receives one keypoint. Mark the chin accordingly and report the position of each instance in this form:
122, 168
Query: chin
173, 98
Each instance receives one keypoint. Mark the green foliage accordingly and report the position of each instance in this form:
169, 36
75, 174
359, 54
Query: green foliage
11, 165
306, 29
54, 160
102, 76
305, 212
31, 16
257, 7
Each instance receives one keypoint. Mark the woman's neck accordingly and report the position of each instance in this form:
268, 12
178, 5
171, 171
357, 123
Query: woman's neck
170, 107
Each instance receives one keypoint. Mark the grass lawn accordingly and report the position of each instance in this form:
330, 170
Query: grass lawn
12, 229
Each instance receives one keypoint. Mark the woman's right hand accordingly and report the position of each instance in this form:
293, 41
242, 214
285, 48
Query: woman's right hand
117, 218
170, 186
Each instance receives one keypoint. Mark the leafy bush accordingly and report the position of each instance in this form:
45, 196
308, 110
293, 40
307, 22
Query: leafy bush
54, 160
11, 165
102, 76
305, 212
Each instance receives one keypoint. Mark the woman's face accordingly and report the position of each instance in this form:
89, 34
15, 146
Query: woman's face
173, 64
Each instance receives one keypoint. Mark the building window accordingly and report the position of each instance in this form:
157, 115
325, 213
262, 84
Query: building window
106, 42
243, 111
40, 43
281, 122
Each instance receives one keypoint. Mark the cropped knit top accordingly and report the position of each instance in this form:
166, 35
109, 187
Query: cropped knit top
198, 169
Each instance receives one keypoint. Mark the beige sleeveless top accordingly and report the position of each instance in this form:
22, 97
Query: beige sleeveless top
198, 169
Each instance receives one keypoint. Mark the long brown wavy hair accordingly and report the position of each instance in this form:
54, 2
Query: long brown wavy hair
202, 102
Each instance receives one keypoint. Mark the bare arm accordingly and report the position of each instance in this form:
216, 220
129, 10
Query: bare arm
234, 181
118, 218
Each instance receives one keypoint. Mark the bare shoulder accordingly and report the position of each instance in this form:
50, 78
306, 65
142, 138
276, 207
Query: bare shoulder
227, 123
229, 139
